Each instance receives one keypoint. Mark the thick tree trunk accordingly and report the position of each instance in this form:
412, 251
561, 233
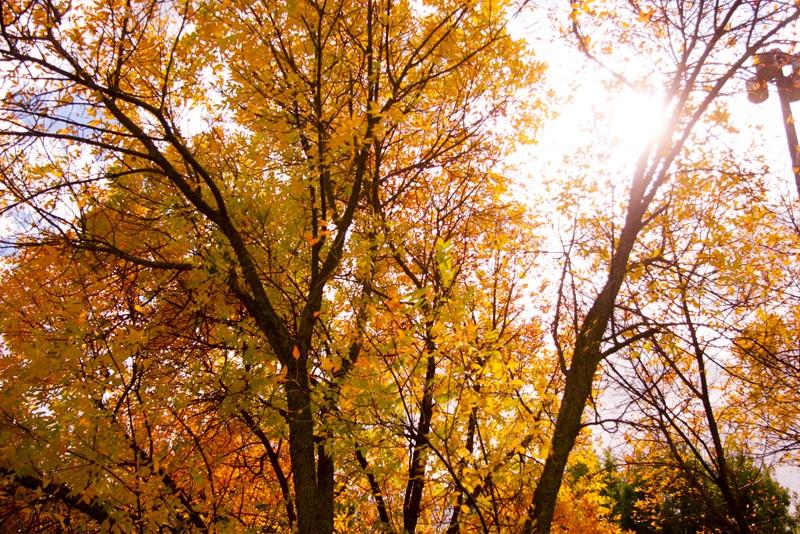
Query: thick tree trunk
313, 495
578, 387
325, 486
580, 376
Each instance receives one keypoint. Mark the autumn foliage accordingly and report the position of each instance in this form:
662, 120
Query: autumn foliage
267, 268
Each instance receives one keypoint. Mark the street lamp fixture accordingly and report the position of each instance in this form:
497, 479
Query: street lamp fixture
770, 67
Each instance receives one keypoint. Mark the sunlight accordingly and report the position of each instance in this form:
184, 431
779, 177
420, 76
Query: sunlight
612, 126
633, 119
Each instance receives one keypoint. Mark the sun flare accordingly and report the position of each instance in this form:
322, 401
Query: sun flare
633, 119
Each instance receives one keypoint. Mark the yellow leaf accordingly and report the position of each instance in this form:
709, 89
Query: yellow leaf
296, 352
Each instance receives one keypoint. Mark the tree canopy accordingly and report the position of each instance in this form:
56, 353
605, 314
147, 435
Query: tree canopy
270, 267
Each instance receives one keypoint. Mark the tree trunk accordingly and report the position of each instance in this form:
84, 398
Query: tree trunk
577, 389
416, 473
580, 376
313, 496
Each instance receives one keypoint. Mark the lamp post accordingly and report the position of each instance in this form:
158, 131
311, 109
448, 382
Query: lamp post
769, 68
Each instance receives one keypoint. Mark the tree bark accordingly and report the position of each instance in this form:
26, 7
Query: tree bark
416, 473
580, 375
313, 497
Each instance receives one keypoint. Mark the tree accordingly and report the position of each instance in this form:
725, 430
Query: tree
766, 355
694, 49
653, 495
266, 272
201, 193
696, 292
